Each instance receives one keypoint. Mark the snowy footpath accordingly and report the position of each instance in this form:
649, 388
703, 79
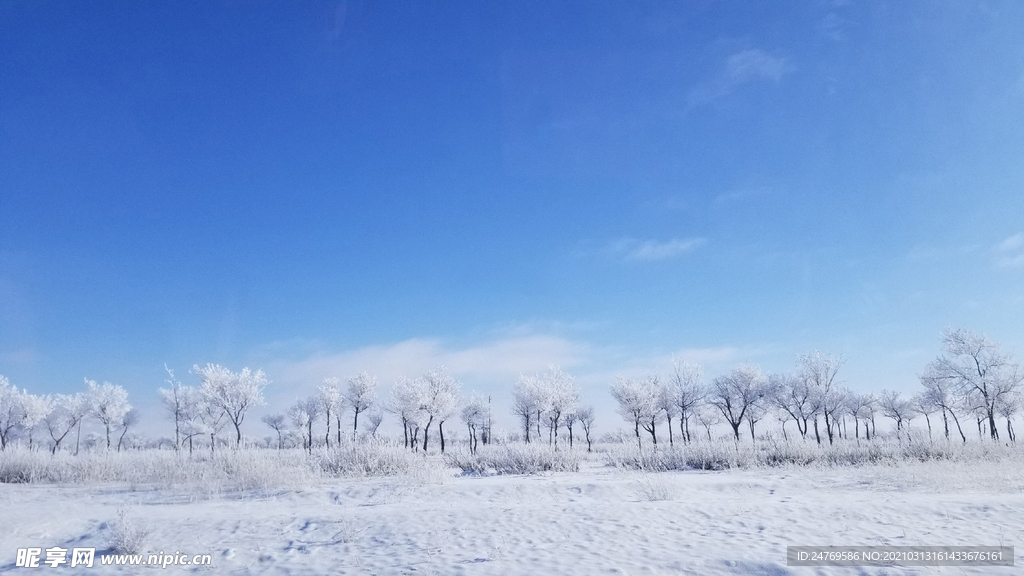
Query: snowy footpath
598, 521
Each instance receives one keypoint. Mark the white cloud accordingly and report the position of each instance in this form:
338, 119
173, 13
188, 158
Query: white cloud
498, 360
491, 367
1010, 252
647, 250
1012, 244
20, 356
745, 66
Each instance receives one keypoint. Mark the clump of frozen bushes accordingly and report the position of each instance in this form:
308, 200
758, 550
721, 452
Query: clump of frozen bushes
224, 471
728, 454
372, 458
515, 458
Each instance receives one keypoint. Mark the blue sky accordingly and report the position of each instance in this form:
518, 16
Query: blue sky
319, 188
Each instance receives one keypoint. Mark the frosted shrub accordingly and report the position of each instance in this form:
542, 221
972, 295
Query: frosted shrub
653, 489
124, 535
374, 458
229, 470
517, 458
727, 454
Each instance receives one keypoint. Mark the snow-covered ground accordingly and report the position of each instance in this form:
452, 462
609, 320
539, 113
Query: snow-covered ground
600, 520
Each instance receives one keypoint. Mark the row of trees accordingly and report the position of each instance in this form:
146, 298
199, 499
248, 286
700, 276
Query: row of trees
23, 414
223, 397
971, 377
421, 405
552, 400
331, 401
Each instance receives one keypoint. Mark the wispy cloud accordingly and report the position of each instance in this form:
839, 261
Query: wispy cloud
488, 366
500, 360
648, 250
1010, 252
745, 66
741, 195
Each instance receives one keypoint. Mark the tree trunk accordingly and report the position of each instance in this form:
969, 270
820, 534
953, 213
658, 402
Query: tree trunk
554, 426
958, 428
440, 429
426, 432
355, 425
327, 436
817, 436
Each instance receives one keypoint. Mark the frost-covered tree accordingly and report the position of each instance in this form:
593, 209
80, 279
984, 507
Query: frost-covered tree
861, 407
571, 418
108, 403
973, 365
938, 391
473, 413
360, 395
192, 405
34, 409
795, 396
654, 387
527, 402
896, 407
734, 394
68, 411
687, 391
130, 418
708, 416
562, 396
233, 392
333, 402
761, 406
175, 401
440, 400
638, 402
11, 414
406, 402
210, 420
304, 413
819, 372
586, 418
374, 418
276, 423
924, 405
1007, 409
301, 422
668, 409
